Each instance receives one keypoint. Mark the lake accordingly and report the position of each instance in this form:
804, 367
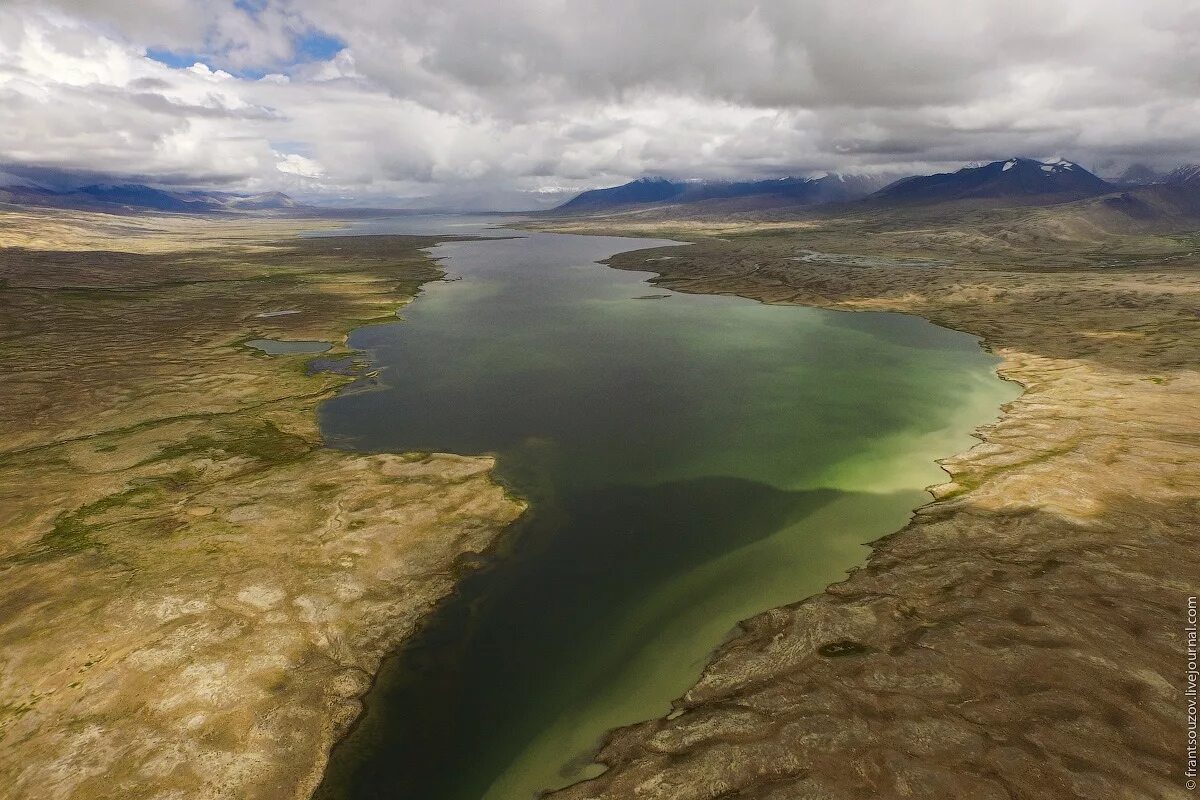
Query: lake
689, 461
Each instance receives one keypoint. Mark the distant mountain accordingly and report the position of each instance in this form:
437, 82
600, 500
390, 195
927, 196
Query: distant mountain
1174, 195
1016, 178
639, 192
1142, 175
789, 191
134, 195
1187, 175
1138, 175
139, 197
8, 179
262, 201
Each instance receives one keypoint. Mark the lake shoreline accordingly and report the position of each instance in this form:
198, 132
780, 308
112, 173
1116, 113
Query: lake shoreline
816, 562
1020, 515
1062, 543
201, 611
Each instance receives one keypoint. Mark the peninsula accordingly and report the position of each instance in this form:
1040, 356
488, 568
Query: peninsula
196, 592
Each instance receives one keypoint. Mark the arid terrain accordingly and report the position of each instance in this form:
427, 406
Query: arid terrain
194, 591
1023, 636
295, 505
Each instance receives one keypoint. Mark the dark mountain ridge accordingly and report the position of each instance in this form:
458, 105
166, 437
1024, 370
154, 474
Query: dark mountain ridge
1176, 194
1019, 180
1187, 175
1014, 178
125, 197
797, 191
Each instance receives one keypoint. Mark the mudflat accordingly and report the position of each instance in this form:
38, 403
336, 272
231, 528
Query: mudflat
1023, 636
195, 591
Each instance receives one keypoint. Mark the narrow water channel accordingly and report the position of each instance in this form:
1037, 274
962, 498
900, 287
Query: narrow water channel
689, 460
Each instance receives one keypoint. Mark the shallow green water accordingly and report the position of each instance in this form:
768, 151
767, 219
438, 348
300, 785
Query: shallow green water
286, 347
690, 461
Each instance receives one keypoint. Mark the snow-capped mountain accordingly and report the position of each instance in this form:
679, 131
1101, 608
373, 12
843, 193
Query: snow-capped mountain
1014, 177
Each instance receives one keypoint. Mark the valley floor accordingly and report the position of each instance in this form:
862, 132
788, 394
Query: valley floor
1023, 637
194, 591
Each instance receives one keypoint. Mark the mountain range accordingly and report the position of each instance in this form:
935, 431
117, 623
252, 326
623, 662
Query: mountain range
1012, 178
1172, 195
139, 197
1142, 175
1024, 181
1138, 192
833, 188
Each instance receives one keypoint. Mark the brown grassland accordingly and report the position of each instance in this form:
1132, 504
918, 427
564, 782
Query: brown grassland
194, 592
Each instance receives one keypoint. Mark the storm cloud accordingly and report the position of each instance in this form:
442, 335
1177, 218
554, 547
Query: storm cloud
387, 99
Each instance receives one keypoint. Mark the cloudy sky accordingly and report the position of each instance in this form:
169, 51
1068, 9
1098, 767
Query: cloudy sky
392, 99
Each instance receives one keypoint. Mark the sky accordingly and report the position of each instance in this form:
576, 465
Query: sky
517, 101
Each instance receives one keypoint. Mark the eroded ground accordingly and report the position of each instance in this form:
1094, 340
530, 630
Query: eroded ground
1023, 636
193, 591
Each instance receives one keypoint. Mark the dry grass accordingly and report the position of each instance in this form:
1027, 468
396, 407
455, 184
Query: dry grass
195, 591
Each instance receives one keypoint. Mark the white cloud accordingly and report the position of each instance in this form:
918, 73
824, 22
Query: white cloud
296, 164
430, 97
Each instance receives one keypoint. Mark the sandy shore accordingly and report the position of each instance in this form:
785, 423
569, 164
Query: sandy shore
196, 592
1023, 636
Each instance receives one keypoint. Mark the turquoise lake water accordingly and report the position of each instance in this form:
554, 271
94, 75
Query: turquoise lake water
689, 460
